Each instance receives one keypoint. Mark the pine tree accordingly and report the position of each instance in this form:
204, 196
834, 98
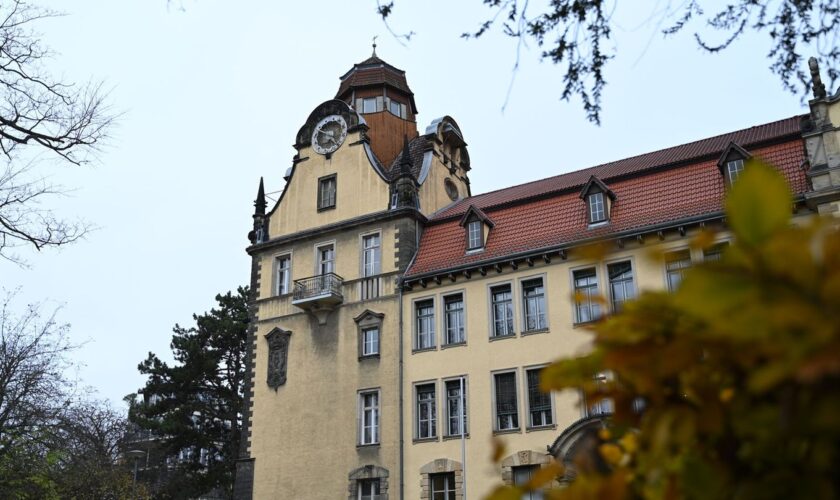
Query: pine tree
194, 406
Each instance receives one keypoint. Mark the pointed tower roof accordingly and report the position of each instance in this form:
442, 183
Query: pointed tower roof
259, 203
405, 159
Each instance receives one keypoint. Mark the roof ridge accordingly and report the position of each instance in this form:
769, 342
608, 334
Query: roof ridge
467, 201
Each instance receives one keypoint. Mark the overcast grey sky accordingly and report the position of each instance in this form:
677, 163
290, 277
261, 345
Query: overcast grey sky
213, 95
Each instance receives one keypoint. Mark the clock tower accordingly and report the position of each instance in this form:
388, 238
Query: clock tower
325, 407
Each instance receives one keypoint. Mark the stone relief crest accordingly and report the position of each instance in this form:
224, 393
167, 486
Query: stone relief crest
278, 354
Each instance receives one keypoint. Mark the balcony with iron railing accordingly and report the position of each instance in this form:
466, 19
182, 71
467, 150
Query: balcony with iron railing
318, 294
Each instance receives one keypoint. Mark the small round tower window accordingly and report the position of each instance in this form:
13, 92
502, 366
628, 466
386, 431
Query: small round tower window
451, 189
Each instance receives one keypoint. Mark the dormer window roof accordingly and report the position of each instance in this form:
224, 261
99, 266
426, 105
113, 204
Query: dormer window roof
731, 162
477, 225
598, 198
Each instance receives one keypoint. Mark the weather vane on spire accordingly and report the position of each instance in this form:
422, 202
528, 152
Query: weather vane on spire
374, 45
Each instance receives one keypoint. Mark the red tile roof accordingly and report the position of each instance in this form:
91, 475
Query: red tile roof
711, 147
549, 213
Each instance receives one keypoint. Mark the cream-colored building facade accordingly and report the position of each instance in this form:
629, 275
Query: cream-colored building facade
399, 323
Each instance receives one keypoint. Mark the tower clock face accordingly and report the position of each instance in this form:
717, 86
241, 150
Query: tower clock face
328, 135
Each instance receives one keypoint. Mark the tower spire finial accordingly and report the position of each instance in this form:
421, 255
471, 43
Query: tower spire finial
259, 203
374, 45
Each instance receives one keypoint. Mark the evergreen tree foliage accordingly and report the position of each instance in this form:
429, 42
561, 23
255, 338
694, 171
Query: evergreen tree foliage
194, 406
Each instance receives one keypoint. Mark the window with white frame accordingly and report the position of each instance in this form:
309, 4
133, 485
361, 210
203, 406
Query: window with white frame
442, 486
597, 209
734, 169
370, 341
475, 235
621, 284
715, 252
369, 417
456, 407
453, 306
426, 411
326, 192
603, 406
368, 489
394, 107
424, 313
676, 264
369, 105
533, 304
507, 413
587, 307
326, 259
283, 276
371, 255
522, 475
539, 402
502, 309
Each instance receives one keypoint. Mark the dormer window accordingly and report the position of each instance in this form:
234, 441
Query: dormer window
732, 162
599, 199
477, 227
474, 236
734, 169
597, 212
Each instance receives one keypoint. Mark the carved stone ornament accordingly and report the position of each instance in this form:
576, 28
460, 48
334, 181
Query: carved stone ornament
278, 354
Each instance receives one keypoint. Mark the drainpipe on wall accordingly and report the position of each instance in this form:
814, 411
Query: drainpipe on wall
400, 392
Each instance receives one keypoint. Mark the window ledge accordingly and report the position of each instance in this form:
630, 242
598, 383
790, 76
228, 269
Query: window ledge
549, 427
497, 432
425, 349
600, 223
369, 356
456, 436
323, 209
502, 337
471, 251
535, 332
425, 440
371, 445
454, 344
584, 324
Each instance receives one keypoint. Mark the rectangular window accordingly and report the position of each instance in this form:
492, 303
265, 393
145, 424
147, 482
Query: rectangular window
533, 302
587, 307
603, 406
621, 284
596, 208
734, 169
369, 105
394, 107
502, 303
426, 411
425, 324
456, 407
676, 264
539, 403
283, 267
326, 259
715, 253
370, 341
522, 475
474, 235
368, 489
453, 306
371, 252
442, 486
507, 414
326, 192
369, 417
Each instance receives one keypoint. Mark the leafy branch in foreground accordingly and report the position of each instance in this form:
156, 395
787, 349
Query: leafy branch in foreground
574, 33
738, 369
